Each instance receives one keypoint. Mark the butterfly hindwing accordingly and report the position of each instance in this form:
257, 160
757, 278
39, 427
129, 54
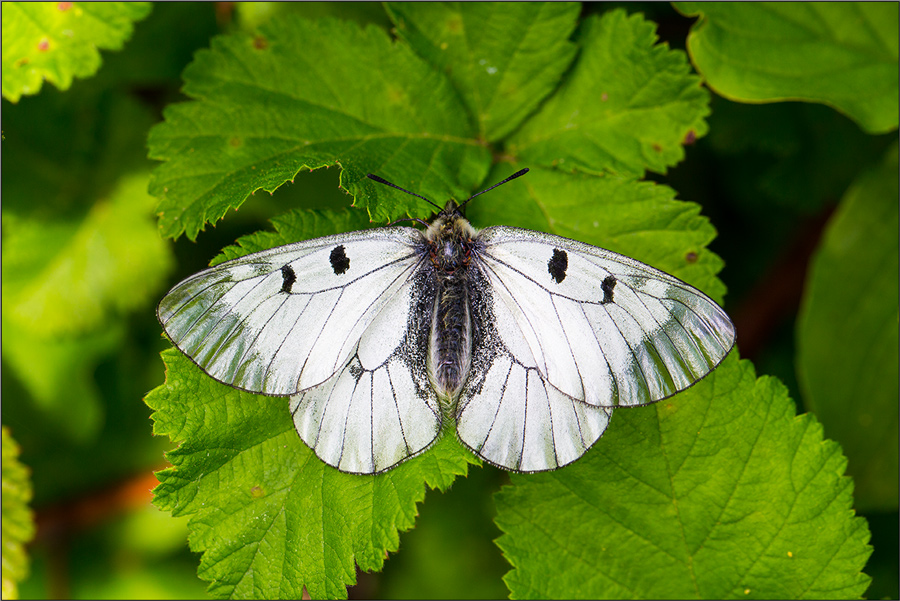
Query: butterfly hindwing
380, 409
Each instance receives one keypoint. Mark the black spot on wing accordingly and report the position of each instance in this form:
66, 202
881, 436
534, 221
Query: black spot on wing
609, 282
288, 278
558, 264
339, 260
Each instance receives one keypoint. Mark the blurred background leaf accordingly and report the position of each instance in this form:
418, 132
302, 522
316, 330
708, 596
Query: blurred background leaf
59, 41
18, 521
847, 333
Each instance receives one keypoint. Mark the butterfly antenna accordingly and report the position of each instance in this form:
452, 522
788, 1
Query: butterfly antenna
381, 180
518, 173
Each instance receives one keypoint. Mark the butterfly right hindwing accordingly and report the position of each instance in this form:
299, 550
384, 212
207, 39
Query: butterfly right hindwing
508, 413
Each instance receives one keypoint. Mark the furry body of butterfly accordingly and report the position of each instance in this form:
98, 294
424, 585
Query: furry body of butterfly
524, 341
450, 241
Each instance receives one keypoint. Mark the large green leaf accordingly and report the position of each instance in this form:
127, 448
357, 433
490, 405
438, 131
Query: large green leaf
67, 286
66, 277
59, 41
503, 62
626, 105
305, 94
18, 523
847, 341
843, 54
720, 492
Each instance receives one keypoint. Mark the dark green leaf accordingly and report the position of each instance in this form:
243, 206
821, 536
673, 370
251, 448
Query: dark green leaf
843, 54
847, 333
626, 105
301, 95
504, 58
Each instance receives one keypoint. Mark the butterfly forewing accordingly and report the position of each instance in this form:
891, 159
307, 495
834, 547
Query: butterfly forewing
601, 327
286, 319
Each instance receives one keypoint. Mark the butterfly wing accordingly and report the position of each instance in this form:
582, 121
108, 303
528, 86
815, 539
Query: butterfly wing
380, 408
333, 321
585, 328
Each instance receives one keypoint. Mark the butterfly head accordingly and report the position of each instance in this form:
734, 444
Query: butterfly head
450, 224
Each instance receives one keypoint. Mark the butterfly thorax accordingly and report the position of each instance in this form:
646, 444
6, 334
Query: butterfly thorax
450, 239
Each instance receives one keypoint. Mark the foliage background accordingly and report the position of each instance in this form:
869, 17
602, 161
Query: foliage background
793, 189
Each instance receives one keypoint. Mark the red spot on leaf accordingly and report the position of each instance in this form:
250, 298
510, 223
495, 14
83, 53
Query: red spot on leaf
691, 257
690, 138
260, 43
604, 97
657, 147
64, 6
44, 45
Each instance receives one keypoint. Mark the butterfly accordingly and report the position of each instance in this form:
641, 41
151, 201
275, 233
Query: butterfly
524, 341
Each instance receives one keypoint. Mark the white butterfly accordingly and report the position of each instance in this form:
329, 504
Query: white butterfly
525, 340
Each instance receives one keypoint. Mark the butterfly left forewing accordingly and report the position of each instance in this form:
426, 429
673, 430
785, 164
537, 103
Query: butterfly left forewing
286, 319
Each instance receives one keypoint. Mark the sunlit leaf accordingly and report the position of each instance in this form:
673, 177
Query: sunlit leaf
59, 41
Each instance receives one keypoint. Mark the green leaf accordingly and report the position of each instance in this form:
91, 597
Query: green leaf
66, 277
18, 523
847, 333
503, 58
302, 95
626, 105
270, 518
639, 219
67, 286
251, 15
719, 492
843, 54
58, 373
59, 41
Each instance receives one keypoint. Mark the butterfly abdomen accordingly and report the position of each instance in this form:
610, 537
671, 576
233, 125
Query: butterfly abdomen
450, 240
